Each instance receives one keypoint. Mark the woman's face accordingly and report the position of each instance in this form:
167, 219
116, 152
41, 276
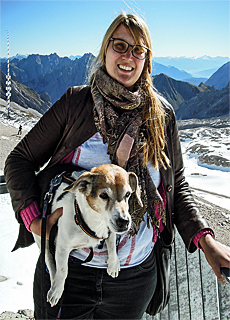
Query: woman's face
123, 67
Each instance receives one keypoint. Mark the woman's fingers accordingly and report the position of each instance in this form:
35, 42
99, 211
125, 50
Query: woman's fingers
52, 219
217, 256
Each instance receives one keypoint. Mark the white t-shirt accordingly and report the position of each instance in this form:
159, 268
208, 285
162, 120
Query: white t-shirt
131, 250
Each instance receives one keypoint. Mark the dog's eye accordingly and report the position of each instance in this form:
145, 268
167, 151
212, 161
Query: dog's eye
127, 194
104, 196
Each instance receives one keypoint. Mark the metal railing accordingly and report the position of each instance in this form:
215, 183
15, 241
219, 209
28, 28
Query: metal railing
195, 293
3, 188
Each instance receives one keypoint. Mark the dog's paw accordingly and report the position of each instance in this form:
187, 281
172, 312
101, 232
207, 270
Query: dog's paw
113, 268
54, 294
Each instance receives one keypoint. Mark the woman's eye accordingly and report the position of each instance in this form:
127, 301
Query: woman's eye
120, 46
104, 196
139, 50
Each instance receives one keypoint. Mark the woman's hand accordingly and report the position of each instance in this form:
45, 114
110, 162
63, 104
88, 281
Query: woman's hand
217, 255
36, 224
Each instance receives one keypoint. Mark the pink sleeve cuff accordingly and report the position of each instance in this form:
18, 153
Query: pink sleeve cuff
197, 237
68, 158
29, 214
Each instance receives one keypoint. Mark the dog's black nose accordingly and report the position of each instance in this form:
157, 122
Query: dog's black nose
122, 223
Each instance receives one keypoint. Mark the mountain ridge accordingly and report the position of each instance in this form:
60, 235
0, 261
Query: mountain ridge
221, 77
195, 65
37, 71
176, 92
203, 66
25, 96
205, 105
54, 75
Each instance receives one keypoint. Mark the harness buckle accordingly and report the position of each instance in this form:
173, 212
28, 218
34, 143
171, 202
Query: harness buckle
56, 181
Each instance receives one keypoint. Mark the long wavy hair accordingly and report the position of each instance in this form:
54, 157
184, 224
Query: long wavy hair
153, 113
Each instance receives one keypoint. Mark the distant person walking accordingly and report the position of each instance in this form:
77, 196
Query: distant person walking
19, 130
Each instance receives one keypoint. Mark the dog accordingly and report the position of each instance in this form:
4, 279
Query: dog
102, 196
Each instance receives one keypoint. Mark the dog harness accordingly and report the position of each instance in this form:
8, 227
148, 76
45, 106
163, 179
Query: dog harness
84, 227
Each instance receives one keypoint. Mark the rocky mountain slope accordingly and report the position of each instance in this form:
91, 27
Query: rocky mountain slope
207, 104
50, 73
35, 65
190, 101
175, 91
221, 77
60, 79
25, 96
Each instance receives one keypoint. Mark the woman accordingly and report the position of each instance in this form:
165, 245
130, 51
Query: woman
119, 119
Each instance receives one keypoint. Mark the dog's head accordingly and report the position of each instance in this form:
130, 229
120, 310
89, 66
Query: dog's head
107, 189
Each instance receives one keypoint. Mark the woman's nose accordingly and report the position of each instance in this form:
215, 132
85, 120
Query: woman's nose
128, 54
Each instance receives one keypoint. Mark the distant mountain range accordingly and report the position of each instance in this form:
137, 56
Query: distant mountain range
203, 66
170, 71
18, 56
50, 73
53, 75
24, 96
193, 70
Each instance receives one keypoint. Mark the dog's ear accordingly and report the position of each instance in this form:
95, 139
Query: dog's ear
133, 181
82, 184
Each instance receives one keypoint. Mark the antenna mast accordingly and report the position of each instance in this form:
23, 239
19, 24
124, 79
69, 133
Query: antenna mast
8, 77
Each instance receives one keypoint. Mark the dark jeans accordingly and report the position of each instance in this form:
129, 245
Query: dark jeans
90, 293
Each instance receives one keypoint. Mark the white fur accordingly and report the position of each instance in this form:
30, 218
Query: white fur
100, 214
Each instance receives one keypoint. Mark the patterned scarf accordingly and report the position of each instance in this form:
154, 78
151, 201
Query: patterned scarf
118, 118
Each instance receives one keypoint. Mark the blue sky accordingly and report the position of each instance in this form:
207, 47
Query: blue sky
178, 28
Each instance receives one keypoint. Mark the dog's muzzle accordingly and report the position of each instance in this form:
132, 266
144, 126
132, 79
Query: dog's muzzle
121, 225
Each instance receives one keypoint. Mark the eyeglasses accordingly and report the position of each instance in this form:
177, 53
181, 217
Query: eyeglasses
121, 46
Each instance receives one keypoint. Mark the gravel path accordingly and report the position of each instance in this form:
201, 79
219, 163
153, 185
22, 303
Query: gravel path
8, 140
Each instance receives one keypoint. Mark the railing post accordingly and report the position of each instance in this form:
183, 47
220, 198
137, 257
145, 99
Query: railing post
195, 292
3, 188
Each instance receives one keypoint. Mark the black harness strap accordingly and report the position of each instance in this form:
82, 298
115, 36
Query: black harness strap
52, 237
53, 232
55, 182
82, 224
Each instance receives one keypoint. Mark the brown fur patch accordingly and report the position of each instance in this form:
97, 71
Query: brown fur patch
105, 176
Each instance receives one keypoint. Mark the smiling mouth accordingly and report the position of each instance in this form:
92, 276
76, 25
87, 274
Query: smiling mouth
126, 68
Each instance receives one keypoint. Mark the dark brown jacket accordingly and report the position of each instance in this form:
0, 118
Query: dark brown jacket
65, 126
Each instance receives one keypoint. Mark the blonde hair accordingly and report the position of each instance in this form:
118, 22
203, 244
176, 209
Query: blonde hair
153, 113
